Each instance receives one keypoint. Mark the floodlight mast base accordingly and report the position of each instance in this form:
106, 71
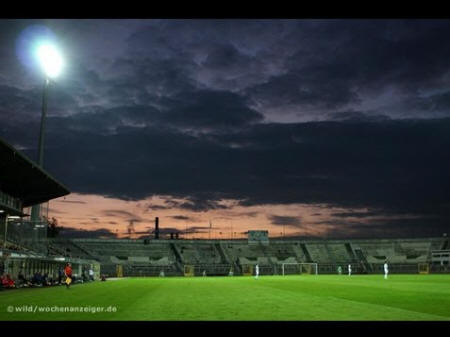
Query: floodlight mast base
6, 231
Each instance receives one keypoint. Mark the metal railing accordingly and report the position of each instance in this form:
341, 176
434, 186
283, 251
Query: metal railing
24, 234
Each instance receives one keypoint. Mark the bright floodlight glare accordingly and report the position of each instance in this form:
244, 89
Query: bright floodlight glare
50, 59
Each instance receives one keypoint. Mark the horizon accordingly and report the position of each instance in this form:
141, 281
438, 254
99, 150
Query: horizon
313, 128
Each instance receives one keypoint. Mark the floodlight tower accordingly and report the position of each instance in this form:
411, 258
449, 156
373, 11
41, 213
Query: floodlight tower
51, 63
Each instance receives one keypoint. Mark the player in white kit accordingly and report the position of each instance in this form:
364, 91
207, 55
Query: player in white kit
386, 269
349, 270
256, 271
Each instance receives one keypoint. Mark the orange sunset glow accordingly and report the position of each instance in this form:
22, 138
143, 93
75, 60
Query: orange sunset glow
95, 212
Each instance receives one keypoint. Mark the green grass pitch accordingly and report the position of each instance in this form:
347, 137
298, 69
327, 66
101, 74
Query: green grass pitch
270, 298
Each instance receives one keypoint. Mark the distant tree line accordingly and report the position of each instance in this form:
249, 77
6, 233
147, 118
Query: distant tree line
52, 228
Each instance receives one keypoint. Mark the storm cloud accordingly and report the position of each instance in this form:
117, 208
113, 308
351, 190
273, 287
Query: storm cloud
285, 220
345, 113
102, 233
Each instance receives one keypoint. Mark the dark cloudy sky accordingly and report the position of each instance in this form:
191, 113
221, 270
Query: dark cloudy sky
330, 128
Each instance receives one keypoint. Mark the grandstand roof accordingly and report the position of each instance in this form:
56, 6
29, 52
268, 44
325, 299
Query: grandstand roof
24, 179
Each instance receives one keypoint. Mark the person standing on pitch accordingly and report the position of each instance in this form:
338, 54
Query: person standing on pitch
256, 271
349, 270
386, 269
68, 273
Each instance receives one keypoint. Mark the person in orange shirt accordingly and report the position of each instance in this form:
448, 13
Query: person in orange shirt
68, 273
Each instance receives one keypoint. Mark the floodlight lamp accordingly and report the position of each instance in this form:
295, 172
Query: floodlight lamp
50, 59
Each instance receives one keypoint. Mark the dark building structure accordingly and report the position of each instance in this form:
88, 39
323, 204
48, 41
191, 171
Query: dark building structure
23, 184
